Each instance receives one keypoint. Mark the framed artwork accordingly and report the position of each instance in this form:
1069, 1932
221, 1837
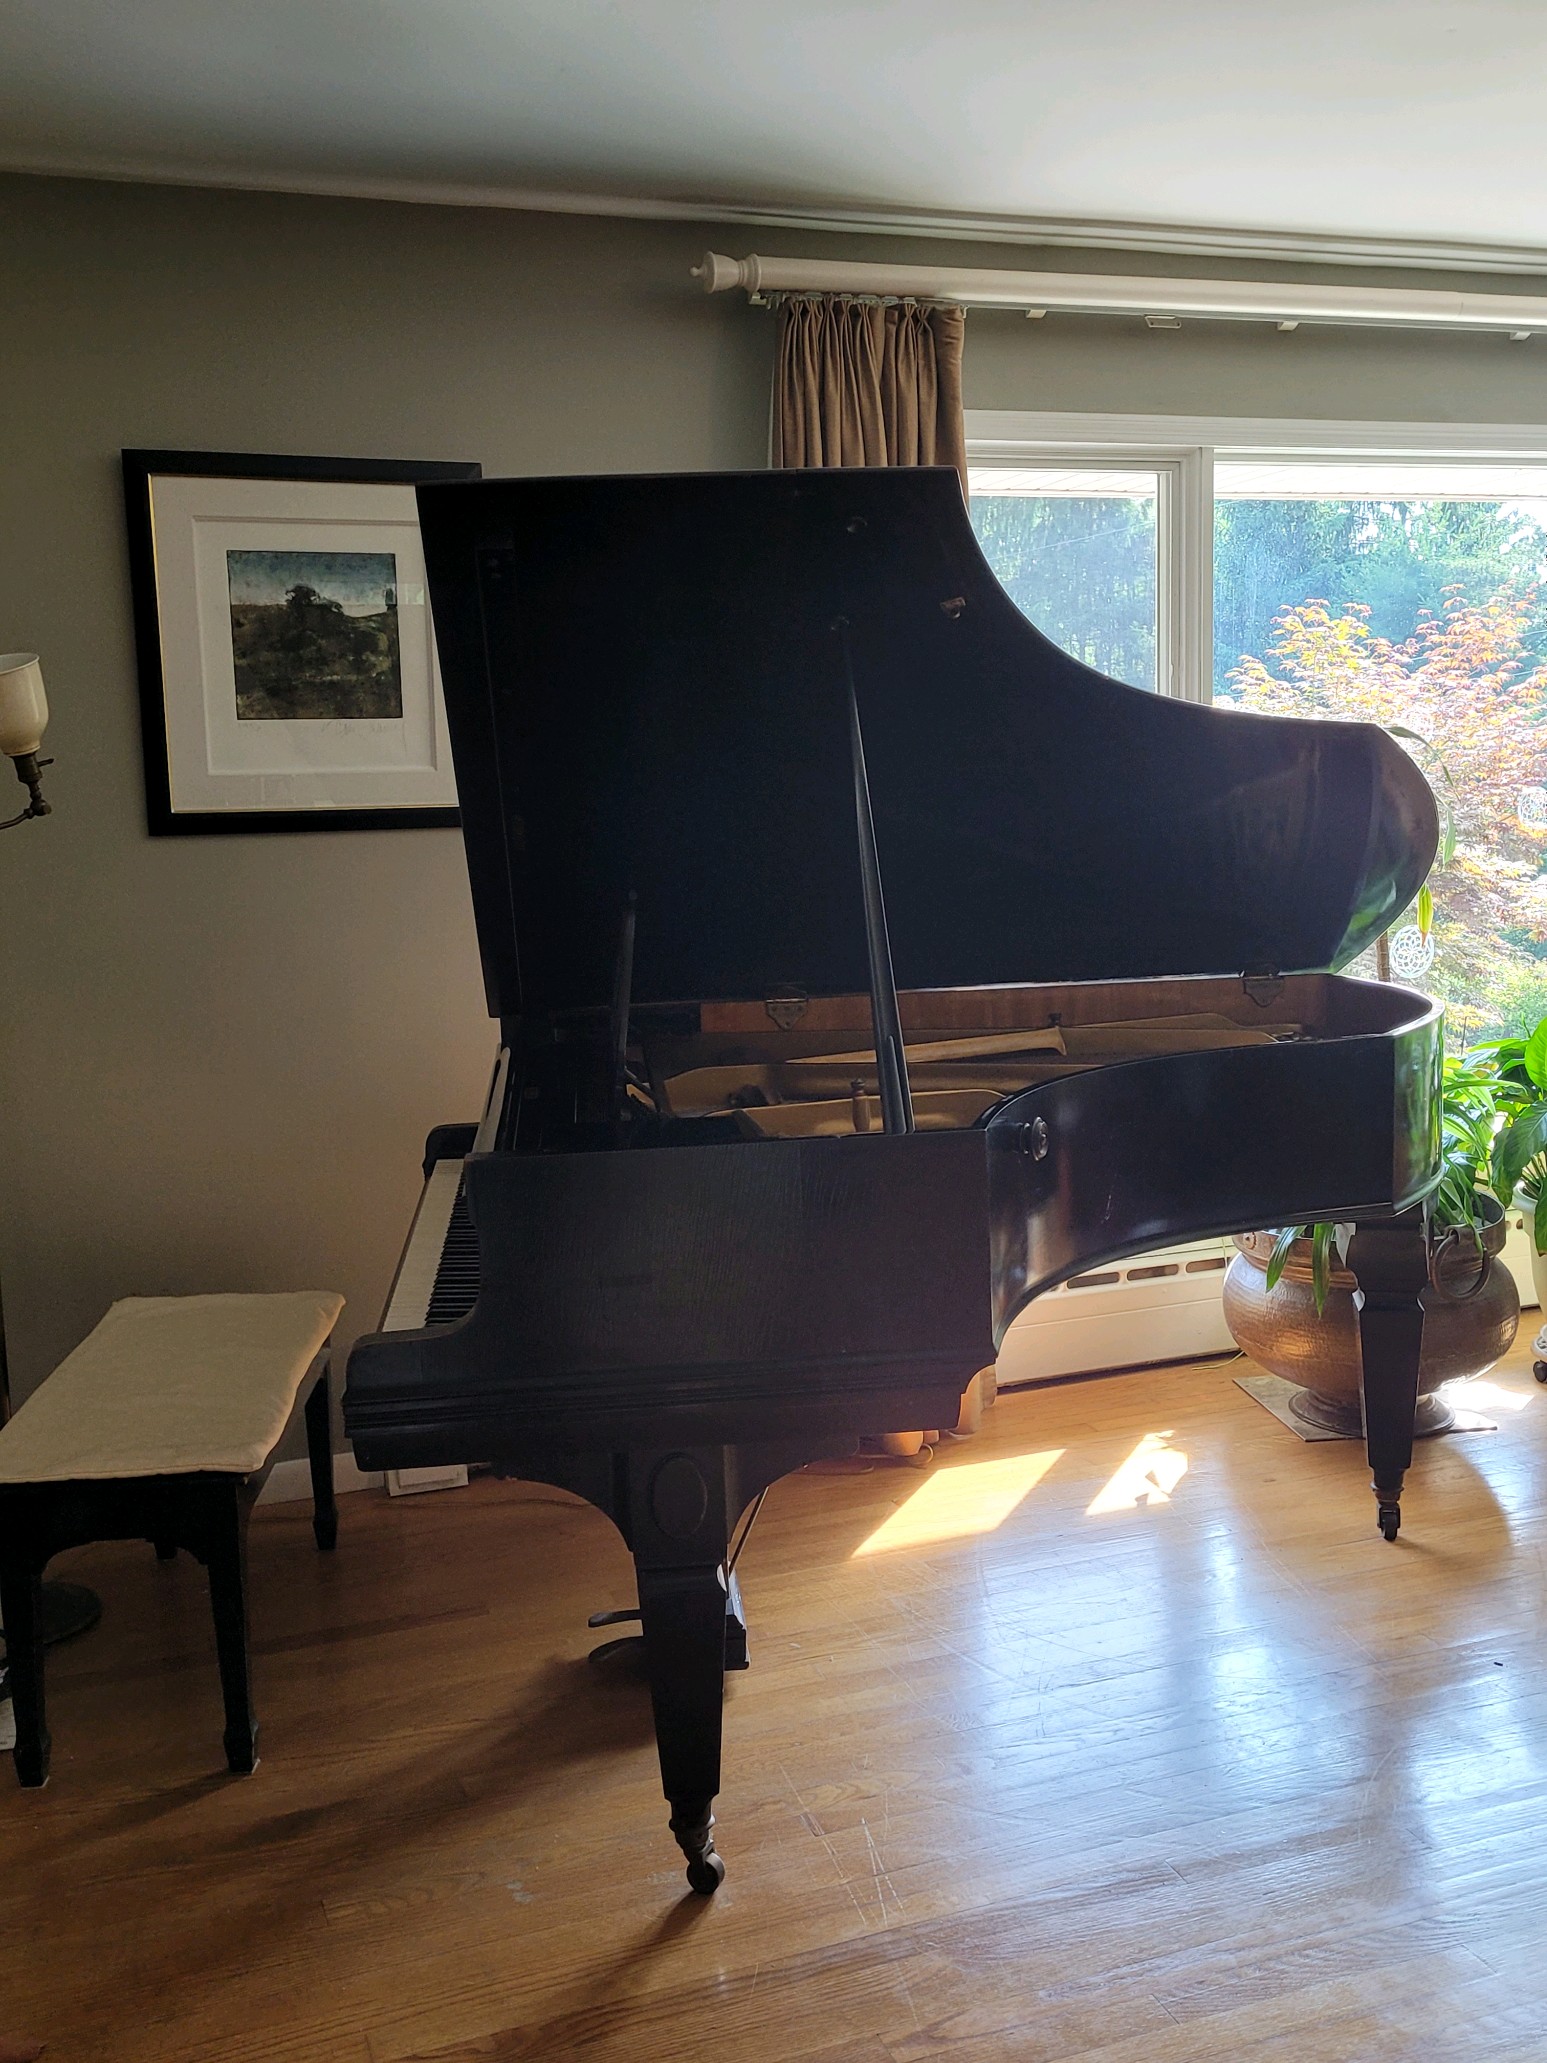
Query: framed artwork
288, 679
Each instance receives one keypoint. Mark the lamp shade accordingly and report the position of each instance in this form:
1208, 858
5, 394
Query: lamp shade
23, 705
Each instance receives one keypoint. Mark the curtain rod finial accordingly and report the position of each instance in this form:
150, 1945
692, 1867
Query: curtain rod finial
719, 273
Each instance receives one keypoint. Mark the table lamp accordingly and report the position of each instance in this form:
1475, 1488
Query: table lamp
67, 1607
23, 719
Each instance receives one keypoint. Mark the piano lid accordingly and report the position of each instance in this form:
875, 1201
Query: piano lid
646, 684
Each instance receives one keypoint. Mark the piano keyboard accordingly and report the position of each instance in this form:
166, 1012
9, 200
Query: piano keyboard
437, 1277
436, 1283
456, 1279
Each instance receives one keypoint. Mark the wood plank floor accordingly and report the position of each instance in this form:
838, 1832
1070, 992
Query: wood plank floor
1221, 1777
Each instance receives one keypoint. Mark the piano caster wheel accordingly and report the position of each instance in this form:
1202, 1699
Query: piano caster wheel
694, 1829
1539, 1370
1390, 1518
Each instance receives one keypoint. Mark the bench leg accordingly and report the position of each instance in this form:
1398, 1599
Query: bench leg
227, 1563
319, 1452
21, 1605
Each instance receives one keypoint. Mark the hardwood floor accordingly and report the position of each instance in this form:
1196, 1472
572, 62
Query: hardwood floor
1222, 1777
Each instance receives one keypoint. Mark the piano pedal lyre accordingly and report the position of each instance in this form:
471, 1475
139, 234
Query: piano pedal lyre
736, 1656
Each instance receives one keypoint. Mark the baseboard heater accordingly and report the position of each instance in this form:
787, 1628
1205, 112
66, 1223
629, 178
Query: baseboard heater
1152, 1308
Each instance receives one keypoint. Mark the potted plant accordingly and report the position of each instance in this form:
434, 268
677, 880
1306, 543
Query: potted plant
1289, 1300
1517, 1071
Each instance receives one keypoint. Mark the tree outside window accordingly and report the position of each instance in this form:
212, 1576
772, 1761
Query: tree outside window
1430, 617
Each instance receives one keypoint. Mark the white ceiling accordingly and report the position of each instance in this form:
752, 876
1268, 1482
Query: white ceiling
1360, 120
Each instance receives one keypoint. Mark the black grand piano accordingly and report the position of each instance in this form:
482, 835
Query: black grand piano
863, 967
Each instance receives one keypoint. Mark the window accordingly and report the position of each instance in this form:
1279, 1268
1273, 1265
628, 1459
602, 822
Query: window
1403, 583
1078, 548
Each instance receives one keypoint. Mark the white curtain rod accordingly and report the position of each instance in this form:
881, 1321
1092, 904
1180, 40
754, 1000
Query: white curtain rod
1285, 302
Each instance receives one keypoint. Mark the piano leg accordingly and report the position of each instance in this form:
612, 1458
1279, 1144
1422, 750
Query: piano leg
683, 1613
1390, 1261
679, 1503
736, 1656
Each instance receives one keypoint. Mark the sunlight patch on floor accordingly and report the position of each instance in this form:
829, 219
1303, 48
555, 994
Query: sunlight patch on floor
954, 1503
1148, 1476
1478, 1394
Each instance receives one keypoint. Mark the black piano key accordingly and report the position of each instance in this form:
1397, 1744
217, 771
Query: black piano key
457, 1277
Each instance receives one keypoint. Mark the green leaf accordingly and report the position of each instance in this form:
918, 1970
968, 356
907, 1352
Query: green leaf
1516, 1146
1321, 1265
1535, 1055
1539, 1222
1425, 910
1280, 1253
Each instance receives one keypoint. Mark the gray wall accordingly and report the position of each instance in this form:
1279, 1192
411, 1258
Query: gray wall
218, 1056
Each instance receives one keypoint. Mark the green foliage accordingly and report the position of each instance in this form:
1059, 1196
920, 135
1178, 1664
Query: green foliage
1519, 1151
1503, 1082
1395, 556
1469, 1117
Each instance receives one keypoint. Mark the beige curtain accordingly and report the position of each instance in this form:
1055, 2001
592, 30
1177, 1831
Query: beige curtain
859, 384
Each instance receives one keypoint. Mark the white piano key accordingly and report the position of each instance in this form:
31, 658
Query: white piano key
409, 1297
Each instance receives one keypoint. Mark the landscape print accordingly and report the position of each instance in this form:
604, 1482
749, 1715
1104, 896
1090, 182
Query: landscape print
315, 635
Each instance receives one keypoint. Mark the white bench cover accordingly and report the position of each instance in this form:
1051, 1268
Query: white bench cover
169, 1386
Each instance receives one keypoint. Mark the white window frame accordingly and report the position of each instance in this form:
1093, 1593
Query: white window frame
1183, 451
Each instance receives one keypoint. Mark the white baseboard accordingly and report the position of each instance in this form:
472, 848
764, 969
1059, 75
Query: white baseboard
290, 1480
1157, 1307
1517, 1258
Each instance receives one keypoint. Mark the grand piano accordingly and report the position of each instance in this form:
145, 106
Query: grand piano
864, 966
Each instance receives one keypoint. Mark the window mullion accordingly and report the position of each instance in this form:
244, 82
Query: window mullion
1187, 574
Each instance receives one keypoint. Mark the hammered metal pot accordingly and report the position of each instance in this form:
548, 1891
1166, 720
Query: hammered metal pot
1471, 1313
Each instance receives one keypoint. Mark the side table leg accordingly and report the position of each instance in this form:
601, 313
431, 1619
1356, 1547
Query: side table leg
319, 1452
227, 1563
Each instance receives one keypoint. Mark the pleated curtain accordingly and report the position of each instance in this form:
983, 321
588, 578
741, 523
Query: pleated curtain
860, 383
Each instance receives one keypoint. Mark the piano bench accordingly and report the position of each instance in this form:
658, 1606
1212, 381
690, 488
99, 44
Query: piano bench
161, 1426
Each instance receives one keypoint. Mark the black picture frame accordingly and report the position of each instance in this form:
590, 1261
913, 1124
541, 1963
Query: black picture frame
140, 468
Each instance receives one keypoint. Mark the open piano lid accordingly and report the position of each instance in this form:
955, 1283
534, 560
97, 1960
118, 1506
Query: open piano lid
647, 690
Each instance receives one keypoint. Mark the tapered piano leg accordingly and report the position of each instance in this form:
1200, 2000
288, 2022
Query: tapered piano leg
675, 1518
683, 1614
1390, 1261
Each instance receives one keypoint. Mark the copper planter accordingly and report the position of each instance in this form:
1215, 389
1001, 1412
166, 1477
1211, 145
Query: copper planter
1471, 1313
